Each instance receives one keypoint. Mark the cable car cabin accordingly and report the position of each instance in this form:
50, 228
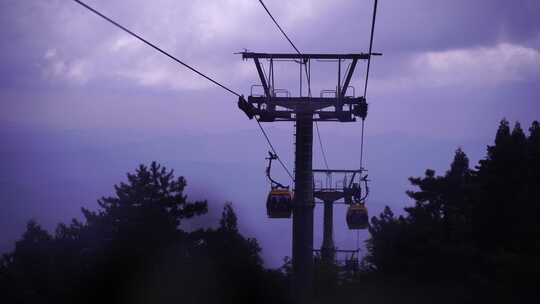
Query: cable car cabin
279, 203
357, 217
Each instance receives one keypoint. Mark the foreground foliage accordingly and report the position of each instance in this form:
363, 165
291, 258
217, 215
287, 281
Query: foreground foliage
471, 235
133, 250
475, 228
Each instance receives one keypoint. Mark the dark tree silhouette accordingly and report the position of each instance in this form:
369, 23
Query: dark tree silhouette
477, 228
132, 250
471, 235
228, 220
384, 242
151, 198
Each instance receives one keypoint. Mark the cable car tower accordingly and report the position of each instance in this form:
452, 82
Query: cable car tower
272, 105
352, 190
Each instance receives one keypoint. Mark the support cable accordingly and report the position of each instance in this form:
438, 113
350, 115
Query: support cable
362, 146
273, 149
321, 144
156, 48
370, 46
367, 78
365, 93
278, 26
307, 77
187, 66
290, 42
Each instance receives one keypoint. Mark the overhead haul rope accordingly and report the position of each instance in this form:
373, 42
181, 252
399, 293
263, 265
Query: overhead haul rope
279, 27
274, 150
309, 90
365, 94
370, 45
321, 145
187, 66
367, 76
307, 76
156, 47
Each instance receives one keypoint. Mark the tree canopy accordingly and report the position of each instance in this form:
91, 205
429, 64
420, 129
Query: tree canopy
478, 226
470, 235
132, 249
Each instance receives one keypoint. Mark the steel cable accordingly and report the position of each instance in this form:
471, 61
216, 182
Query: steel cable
187, 66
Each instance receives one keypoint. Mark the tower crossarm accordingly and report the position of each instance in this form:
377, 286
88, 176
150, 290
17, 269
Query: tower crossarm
276, 104
305, 56
272, 108
343, 90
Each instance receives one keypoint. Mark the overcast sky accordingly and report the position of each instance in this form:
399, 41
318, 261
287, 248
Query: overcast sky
82, 103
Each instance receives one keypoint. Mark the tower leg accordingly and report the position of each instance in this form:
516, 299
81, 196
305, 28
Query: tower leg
302, 247
327, 249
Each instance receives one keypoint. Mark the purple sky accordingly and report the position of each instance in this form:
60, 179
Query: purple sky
81, 103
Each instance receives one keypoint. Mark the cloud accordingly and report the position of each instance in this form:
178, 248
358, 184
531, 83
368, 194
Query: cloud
503, 62
124, 44
206, 33
74, 71
51, 53
81, 48
480, 66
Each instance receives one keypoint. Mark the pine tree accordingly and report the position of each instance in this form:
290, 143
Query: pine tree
147, 209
